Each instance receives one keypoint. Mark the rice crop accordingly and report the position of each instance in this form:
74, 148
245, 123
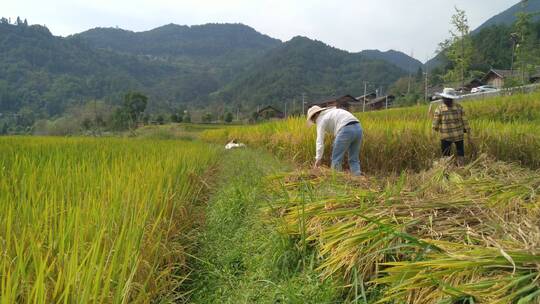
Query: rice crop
516, 108
445, 235
96, 220
392, 145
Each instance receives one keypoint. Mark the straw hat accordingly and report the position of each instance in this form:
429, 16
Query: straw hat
312, 111
449, 93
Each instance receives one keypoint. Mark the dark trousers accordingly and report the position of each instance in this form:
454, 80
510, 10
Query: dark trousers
446, 147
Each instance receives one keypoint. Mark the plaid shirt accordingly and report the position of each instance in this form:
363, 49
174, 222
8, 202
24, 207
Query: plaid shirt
450, 122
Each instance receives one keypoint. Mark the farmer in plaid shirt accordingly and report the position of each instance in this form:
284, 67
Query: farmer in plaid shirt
450, 121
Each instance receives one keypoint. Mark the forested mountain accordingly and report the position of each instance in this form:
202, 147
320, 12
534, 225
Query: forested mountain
302, 65
42, 75
199, 41
492, 48
399, 59
493, 37
221, 50
508, 17
45, 74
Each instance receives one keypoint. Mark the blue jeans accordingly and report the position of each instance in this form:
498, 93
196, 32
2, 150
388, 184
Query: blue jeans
349, 138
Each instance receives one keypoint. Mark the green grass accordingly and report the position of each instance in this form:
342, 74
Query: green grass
243, 259
96, 220
180, 131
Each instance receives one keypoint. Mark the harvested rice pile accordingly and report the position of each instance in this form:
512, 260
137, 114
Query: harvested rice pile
446, 235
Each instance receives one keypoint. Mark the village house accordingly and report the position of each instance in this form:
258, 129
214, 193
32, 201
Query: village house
496, 78
270, 112
379, 103
364, 99
343, 102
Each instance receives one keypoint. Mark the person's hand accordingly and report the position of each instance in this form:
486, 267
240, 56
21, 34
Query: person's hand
317, 164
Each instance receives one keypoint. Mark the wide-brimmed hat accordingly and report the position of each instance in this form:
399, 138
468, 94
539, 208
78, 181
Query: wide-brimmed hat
312, 111
449, 93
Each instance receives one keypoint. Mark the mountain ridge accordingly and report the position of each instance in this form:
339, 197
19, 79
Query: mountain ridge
508, 16
47, 74
303, 65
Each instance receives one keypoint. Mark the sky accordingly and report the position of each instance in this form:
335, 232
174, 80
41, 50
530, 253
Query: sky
414, 27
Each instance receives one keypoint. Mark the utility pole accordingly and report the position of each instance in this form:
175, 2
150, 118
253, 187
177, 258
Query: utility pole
286, 109
426, 86
426, 81
387, 102
410, 75
515, 39
365, 93
303, 103
95, 117
238, 113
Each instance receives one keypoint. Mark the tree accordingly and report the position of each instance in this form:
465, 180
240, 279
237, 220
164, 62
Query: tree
187, 117
4, 129
160, 119
458, 48
207, 117
86, 124
527, 55
120, 120
146, 118
175, 117
228, 117
134, 106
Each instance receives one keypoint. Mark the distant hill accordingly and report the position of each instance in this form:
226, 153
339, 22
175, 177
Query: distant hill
197, 66
508, 17
198, 41
221, 49
399, 59
302, 65
46, 74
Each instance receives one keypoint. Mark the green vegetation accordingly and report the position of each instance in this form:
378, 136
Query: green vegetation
505, 127
97, 220
458, 49
242, 257
302, 65
198, 68
509, 16
496, 46
119, 220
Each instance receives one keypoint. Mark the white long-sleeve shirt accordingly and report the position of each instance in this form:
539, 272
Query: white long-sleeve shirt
330, 121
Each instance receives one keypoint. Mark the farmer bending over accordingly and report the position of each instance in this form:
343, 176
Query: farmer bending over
450, 121
348, 136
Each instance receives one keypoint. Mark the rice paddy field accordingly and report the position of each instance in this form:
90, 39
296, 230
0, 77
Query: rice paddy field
507, 128
168, 216
417, 229
97, 220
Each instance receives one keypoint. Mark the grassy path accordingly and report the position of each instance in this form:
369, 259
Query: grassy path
242, 259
